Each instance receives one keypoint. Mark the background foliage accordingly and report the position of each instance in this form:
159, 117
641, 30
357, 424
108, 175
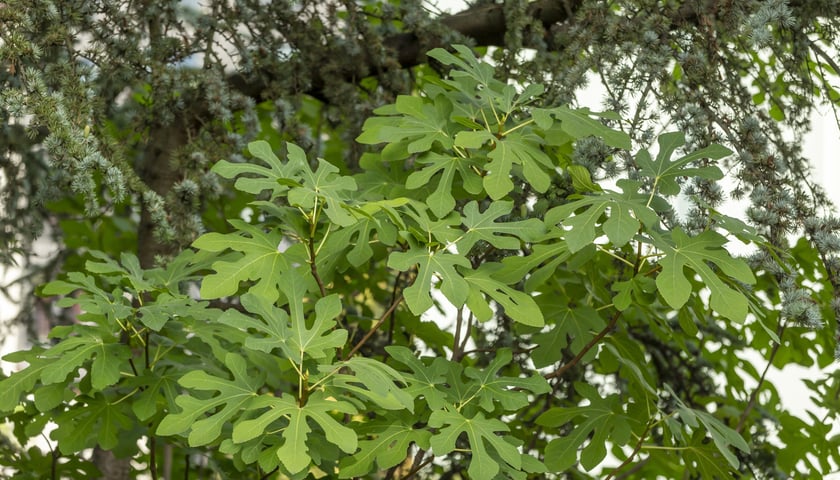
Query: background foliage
291, 244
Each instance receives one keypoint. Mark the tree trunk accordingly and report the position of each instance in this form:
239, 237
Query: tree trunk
111, 467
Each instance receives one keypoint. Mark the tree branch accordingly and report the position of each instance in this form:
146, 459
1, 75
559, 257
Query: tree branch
484, 24
603, 333
742, 420
376, 325
635, 451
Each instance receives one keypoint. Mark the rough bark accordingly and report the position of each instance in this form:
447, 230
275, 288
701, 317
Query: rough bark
111, 467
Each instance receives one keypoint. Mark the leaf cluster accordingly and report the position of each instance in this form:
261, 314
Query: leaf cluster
426, 314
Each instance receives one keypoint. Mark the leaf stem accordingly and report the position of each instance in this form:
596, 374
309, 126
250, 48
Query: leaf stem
662, 447
466, 334
517, 127
323, 239
652, 192
456, 342
620, 259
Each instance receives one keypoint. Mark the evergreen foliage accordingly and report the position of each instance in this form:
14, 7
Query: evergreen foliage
292, 245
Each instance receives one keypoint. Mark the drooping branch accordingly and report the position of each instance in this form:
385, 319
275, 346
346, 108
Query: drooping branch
484, 24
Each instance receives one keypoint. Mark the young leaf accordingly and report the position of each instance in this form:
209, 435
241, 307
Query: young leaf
129, 267
165, 307
327, 186
97, 304
468, 65
441, 202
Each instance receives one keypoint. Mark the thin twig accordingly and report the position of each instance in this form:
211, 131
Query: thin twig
376, 325
603, 333
416, 469
153, 456
742, 420
635, 468
635, 451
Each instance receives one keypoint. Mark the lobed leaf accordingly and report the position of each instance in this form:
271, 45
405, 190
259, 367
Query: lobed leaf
481, 433
431, 263
665, 172
387, 443
199, 415
518, 305
620, 216
681, 251
260, 261
502, 235
294, 452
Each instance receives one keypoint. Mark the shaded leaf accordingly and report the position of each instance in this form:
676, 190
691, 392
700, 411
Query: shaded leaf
424, 379
199, 415
388, 445
509, 392
481, 434
295, 451
604, 422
